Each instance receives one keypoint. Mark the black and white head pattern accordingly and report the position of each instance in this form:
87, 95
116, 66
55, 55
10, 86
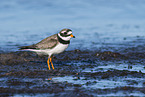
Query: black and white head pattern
65, 34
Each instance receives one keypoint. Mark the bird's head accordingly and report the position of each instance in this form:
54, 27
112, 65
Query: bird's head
66, 34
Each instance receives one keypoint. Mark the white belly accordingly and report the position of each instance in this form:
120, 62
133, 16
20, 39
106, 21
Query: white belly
56, 50
59, 48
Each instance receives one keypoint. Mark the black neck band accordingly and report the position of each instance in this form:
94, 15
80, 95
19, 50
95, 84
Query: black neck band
62, 41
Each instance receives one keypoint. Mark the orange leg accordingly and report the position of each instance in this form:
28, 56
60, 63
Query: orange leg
48, 63
51, 63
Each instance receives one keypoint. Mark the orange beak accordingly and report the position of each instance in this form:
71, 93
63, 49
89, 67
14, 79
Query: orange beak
72, 36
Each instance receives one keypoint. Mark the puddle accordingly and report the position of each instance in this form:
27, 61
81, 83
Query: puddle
36, 95
134, 93
121, 66
100, 83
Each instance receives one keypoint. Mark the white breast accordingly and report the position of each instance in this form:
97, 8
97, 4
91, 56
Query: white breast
56, 50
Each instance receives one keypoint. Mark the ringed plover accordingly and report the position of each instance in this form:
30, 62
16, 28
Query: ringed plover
54, 44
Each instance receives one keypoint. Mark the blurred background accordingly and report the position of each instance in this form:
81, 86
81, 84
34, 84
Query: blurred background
97, 24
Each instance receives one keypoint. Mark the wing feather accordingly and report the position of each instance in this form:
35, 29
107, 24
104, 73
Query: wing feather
46, 43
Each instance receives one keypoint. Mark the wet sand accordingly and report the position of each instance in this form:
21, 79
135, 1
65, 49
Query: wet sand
77, 73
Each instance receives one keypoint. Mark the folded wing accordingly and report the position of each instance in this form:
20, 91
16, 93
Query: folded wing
46, 43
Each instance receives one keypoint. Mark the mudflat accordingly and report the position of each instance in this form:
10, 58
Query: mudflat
82, 73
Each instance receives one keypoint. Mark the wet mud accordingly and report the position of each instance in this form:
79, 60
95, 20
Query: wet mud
77, 73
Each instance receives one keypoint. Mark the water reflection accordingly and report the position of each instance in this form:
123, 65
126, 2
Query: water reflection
49, 79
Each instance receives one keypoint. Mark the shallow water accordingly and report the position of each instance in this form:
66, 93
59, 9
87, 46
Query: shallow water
96, 24
119, 66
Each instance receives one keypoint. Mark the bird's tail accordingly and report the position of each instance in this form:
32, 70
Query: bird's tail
27, 47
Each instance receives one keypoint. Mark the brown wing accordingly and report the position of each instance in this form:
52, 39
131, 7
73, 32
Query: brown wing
46, 43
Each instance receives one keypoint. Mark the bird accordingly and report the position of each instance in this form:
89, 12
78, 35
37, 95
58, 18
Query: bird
51, 45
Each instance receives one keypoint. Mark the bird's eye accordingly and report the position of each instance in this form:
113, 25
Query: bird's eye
65, 32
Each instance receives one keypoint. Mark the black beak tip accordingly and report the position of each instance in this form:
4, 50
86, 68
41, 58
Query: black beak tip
74, 37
